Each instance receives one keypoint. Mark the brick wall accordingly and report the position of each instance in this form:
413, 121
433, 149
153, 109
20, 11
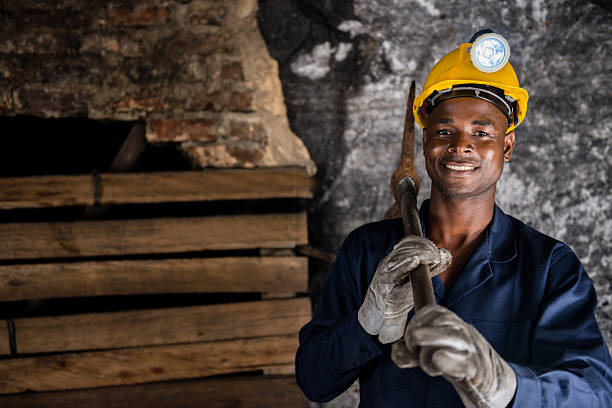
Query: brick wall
198, 72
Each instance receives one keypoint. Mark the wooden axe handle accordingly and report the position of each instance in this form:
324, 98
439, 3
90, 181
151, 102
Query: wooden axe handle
405, 187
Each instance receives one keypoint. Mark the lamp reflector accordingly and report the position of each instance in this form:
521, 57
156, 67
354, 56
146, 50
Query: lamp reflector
490, 52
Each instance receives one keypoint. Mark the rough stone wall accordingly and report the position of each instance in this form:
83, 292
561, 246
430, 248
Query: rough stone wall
346, 65
198, 72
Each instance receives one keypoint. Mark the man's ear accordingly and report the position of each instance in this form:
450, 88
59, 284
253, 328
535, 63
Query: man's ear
508, 146
424, 135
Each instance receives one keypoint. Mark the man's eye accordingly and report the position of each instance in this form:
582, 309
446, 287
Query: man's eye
444, 132
480, 133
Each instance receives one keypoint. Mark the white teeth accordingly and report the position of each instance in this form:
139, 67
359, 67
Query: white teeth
459, 168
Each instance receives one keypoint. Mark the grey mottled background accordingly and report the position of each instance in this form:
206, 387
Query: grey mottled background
345, 68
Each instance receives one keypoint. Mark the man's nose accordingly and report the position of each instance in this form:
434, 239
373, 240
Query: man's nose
461, 144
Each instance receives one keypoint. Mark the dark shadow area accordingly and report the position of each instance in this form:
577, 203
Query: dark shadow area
37, 146
157, 210
99, 304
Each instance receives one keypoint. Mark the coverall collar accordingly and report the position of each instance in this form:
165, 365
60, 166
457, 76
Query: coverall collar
498, 246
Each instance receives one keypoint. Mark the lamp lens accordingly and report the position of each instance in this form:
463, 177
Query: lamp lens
490, 52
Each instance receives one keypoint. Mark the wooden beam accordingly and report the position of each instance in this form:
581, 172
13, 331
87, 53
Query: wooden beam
146, 364
243, 392
131, 149
157, 187
149, 236
161, 326
207, 185
129, 277
47, 191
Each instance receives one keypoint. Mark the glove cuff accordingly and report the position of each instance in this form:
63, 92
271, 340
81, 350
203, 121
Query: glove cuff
370, 314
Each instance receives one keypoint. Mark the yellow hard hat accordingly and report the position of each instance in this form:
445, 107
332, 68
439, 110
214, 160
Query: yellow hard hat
456, 75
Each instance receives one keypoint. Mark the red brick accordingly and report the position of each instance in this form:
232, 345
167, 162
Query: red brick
232, 70
221, 100
212, 15
241, 101
248, 131
172, 130
247, 154
151, 104
101, 44
41, 102
6, 101
214, 155
220, 155
139, 16
210, 43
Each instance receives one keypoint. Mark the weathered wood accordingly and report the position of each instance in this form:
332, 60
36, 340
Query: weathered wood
278, 295
47, 191
284, 369
146, 364
148, 236
276, 252
131, 149
5, 345
157, 187
208, 185
128, 277
161, 326
243, 392
316, 253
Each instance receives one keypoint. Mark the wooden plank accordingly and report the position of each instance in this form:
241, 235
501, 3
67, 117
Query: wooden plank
161, 326
47, 191
208, 185
146, 364
129, 277
284, 369
243, 392
131, 149
156, 187
278, 295
5, 345
148, 236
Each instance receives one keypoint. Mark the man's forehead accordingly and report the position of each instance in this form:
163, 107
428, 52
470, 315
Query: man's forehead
449, 119
481, 111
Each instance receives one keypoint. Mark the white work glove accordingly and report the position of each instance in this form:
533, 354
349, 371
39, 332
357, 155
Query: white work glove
441, 343
384, 310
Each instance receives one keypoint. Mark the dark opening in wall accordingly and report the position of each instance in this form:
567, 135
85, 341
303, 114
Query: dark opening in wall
37, 146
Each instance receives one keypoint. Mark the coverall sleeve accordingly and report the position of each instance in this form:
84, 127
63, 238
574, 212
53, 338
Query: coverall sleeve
334, 348
571, 362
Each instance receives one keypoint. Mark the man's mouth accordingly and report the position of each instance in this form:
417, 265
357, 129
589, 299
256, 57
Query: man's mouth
459, 167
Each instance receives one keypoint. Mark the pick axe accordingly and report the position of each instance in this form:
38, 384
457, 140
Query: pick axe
405, 186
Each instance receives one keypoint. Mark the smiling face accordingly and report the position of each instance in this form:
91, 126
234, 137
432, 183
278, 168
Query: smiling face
465, 146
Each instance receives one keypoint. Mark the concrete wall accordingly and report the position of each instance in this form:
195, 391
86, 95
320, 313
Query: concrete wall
345, 68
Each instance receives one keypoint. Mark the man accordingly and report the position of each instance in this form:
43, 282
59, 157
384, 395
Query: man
514, 324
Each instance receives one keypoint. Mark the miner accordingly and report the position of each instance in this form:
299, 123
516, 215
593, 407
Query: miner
514, 324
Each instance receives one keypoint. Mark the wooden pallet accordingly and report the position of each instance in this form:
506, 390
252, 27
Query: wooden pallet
243, 392
103, 355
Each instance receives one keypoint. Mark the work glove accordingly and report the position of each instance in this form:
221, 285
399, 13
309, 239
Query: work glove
441, 343
388, 300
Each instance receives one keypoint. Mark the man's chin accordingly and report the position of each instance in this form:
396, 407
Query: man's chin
465, 192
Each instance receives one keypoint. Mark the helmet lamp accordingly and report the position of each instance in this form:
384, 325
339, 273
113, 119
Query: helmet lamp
490, 52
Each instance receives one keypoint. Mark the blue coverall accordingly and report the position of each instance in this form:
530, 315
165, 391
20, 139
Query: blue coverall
525, 292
